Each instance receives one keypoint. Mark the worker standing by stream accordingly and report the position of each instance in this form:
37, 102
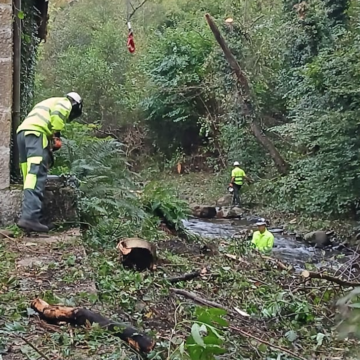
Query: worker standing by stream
237, 177
37, 137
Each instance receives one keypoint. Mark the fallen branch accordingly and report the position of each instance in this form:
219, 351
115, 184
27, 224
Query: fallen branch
30, 344
278, 262
234, 257
200, 300
6, 234
314, 275
79, 316
188, 276
266, 343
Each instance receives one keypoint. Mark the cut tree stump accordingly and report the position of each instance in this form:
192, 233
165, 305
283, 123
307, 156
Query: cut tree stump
76, 316
137, 254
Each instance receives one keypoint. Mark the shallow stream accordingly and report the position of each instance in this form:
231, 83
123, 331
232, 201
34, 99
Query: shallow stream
286, 247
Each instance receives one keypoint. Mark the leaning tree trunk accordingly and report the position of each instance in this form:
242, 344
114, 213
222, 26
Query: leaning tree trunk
245, 97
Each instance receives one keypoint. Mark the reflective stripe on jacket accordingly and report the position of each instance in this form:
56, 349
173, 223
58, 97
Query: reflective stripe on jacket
238, 175
48, 116
263, 242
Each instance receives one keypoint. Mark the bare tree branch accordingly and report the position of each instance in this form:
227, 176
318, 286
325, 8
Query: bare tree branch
135, 9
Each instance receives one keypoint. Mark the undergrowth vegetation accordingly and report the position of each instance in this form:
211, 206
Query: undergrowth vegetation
112, 200
176, 102
176, 96
260, 311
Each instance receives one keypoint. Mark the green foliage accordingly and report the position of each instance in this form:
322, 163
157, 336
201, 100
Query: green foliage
300, 59
325, 114
89, 55
337, 11
176, 66
104, 177
164, 203
349, 309
29, 48
106, 198
206, 340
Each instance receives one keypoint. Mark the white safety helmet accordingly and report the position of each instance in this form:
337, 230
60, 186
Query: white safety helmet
261, 222
77, 105
236, 163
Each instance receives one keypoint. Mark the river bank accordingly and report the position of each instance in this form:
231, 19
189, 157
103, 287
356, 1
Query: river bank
207, 188
264, 309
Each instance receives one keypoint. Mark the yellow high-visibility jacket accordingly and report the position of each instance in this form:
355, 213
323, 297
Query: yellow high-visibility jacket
263, 242
238, 175
48, 116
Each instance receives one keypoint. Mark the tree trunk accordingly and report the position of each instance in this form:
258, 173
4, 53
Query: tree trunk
247, 106
280, 163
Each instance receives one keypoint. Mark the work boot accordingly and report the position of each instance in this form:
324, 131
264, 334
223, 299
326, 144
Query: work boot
34, 226
50, 226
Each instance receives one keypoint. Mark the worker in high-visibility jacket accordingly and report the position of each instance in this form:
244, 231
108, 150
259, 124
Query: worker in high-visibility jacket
35, 139
237, 178
263, 239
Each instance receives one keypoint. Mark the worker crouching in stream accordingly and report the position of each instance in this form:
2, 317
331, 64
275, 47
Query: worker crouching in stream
263, 239
37, 137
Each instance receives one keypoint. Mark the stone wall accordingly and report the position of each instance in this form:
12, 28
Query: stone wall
6, 85
60, 204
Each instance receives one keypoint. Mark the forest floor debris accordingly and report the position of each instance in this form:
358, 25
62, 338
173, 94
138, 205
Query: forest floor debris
263, 301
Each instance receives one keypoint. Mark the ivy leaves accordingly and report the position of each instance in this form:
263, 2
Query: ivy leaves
206, 340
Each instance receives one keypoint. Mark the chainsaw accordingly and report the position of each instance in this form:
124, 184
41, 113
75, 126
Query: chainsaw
230, 189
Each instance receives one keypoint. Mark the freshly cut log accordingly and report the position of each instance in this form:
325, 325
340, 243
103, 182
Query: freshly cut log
137, 254
77, 316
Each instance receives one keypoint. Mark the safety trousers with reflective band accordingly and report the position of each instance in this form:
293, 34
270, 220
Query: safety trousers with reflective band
34, 159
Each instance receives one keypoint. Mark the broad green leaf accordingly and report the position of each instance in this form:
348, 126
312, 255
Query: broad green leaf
195, 332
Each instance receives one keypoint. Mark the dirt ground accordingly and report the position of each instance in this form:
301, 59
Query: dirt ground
54, 268
57, 269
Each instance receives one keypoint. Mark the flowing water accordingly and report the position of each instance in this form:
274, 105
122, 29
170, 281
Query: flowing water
286, 247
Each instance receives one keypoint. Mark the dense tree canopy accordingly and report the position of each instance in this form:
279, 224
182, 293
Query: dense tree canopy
178, 93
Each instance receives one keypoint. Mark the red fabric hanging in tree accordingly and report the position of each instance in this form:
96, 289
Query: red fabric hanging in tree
130, 42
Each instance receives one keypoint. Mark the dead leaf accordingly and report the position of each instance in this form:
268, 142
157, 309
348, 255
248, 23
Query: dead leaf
149, 314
